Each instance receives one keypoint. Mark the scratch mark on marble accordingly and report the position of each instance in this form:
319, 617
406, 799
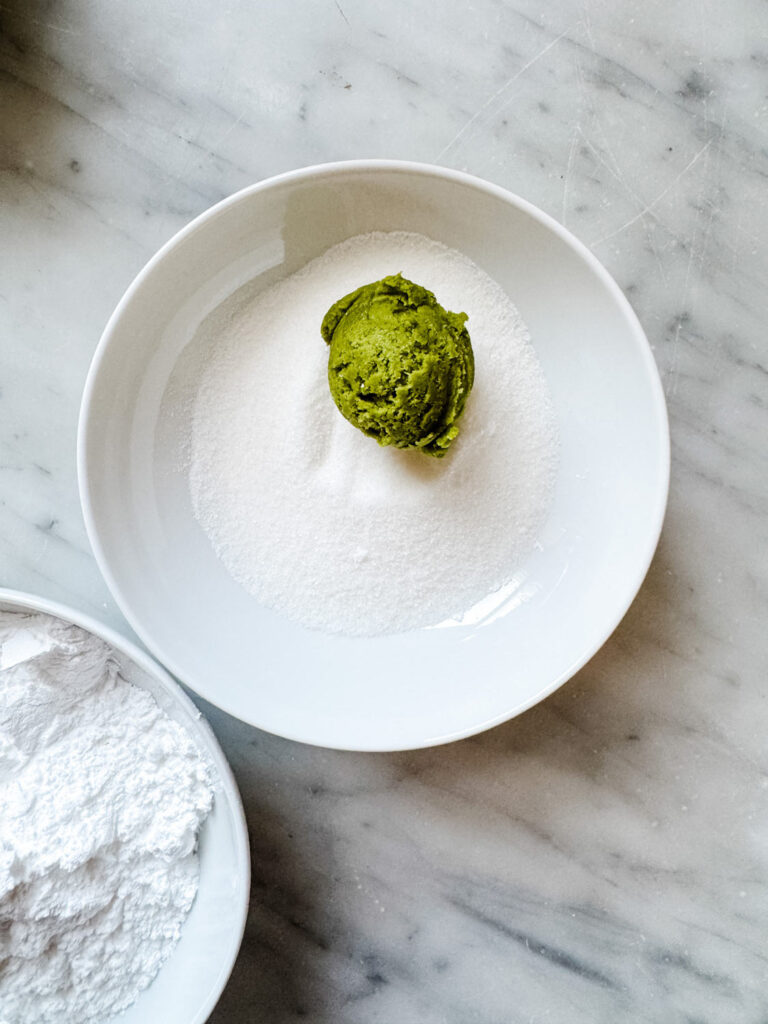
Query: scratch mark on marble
492, 99
606, 158
674, 376
341, 12
655, 252
649, 207
49, 24
588, 27
569, 171
215, 145
712, 206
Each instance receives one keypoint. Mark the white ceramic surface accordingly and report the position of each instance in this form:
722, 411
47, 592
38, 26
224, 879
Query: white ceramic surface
189, 984
417, 688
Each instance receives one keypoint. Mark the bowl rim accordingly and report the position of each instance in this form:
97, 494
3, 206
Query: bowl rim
24, 601
338, 168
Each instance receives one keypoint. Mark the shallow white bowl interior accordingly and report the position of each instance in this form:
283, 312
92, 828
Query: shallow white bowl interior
415, 688
189, 984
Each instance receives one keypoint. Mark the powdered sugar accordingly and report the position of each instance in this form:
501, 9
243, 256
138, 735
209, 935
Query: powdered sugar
101, 800
321, 523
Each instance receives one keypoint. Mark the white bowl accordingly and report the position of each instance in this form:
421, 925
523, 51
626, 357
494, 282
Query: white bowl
411, 689
189, 984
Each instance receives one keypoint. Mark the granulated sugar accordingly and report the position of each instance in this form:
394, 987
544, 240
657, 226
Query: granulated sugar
315, 519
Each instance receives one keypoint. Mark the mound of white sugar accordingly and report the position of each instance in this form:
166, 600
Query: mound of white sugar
101, 800
318, 521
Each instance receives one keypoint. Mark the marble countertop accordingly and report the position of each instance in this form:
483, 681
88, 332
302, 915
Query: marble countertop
604, 857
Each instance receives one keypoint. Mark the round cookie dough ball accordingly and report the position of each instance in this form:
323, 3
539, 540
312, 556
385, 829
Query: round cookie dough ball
400, 366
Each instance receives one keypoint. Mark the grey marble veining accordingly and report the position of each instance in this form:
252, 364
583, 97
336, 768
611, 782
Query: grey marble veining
603, 858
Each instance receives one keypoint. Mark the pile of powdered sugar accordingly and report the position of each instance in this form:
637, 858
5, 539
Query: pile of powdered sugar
101, 800
318, 521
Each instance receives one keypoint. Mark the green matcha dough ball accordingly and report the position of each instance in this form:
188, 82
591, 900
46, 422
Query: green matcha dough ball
400, 366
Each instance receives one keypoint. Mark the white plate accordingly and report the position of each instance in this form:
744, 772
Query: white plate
189, 984
411, 689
